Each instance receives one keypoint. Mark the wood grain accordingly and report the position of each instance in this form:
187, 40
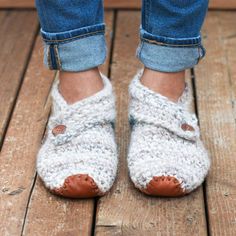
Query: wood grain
121, 4
126, 211
229, 40
214, 99
17, 159
221, 4
51, 215
135, 4
17, 34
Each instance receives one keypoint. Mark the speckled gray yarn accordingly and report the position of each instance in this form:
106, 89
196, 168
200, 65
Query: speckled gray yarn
87, 146
159, 146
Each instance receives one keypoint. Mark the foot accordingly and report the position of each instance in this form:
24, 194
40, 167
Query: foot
75, 86
78, 158
170, 85
166, 156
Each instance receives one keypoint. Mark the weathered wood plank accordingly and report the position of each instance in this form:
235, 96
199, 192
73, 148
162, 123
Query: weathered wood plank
120, 4
51, 215
214, 100
17, 34
16, 3
126, 211
221, 4
229, 39
17, 159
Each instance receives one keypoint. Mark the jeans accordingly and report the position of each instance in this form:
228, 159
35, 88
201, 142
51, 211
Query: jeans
73, 33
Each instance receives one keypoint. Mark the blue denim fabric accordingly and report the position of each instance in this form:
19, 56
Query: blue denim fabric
170, 40
170, 34
73, 33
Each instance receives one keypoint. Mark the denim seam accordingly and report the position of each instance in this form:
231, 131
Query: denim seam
74, 38
52, 56
140, 49
49, 58
57, 56
201, 53
168, 44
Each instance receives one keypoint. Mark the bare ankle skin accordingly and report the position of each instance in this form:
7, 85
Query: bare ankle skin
170, 85
75, 86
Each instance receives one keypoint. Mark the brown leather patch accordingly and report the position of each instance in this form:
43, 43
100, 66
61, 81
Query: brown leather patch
59, 129
187, 127
165, 186
78, 186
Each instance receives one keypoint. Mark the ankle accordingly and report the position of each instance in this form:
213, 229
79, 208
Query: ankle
75, 86
170, 85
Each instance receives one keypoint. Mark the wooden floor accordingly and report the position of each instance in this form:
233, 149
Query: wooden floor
26, 208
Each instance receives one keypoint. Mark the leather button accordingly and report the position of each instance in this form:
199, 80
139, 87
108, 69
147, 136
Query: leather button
187, 127
59, 129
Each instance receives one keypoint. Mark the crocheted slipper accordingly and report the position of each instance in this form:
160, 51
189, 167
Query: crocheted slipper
166, 156
78, 158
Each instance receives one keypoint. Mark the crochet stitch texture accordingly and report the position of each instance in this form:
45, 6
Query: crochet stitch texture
165, 139
87, 143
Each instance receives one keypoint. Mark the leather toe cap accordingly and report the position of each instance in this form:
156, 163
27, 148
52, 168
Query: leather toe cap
78, 186
166, 186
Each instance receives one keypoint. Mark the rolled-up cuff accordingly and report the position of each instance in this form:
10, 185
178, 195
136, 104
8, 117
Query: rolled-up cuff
75, 50
169, 54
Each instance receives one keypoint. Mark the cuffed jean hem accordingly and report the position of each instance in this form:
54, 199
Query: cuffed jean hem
75, 50
169, 54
